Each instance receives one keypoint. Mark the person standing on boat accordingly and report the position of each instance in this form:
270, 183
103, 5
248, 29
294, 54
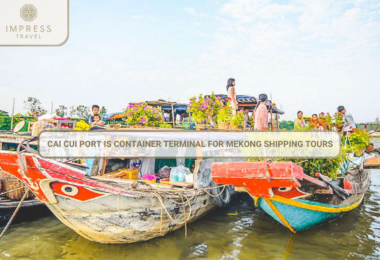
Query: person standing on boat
349, 124
232, 94
299, 123
261, 114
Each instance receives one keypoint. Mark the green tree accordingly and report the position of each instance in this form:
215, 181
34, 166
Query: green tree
33, 105
81, 112
102, 111
61, 111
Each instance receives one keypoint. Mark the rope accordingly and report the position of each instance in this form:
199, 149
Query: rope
11, 191
184, 216
158, 196
214, 196
14, 213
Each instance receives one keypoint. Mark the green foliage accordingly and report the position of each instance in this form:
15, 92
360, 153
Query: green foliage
102, 111
238, 119
357, 141
33, 105
287, 125
328, 167
5, 121
165, 126
204, 110
145, 115
338, 119
225, 114
61, 111
81, 112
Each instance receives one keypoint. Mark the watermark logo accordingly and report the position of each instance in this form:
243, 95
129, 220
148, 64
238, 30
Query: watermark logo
28, 12
34, 22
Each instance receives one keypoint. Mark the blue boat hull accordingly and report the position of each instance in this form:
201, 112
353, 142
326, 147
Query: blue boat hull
299, 218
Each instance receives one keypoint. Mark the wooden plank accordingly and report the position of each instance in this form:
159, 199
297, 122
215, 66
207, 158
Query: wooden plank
182, 184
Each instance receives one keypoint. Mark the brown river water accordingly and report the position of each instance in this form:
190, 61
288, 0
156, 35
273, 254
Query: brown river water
236, 232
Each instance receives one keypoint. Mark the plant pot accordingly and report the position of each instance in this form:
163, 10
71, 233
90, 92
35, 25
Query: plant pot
223, 125
235, 127
200, 127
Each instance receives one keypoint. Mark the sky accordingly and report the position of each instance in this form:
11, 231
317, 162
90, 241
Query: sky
307, 55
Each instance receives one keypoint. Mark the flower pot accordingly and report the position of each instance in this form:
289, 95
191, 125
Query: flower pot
223, 125
235, 127
200, 126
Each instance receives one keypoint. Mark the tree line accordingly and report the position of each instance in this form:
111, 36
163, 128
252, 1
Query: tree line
34, 106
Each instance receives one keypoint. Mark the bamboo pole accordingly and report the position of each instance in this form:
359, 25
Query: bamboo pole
278, 123
271, 118
13, 112
173, 119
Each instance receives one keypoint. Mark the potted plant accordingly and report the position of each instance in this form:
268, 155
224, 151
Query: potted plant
338, 121
357, 141
237, 121
204, 110
141, 114
224, 117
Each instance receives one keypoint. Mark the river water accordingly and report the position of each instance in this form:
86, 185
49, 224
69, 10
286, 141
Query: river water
236, 232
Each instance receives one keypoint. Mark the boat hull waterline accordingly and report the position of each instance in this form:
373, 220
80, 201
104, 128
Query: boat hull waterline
106, 211
294, 199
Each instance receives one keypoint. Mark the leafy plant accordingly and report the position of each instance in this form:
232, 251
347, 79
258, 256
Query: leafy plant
238, 119
327, 119
357, 141
144, 115
225, 114
338, 119
205, 110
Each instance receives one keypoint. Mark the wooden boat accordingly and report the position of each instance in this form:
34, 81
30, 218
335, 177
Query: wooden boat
108, 210
296, 200
30, 209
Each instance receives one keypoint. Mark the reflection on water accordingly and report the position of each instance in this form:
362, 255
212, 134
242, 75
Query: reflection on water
236, 232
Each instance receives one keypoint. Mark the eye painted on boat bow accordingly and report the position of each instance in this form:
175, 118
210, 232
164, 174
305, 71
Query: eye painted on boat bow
69, 190
284, 189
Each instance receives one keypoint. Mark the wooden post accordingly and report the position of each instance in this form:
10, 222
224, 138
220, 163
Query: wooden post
278, 123
13, 112
271, 117
173, 119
